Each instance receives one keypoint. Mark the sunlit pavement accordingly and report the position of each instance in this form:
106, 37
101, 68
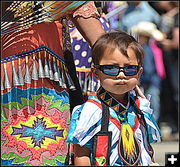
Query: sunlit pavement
164, 147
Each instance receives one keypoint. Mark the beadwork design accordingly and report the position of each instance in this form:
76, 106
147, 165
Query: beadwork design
34, 116
36, 128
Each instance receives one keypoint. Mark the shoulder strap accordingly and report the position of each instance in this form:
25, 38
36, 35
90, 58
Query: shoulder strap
105, 117
102, 141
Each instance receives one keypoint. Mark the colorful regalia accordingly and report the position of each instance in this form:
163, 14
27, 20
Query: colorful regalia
130, 137
35, 83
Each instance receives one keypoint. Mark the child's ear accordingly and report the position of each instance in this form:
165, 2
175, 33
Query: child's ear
140, 71
95, 72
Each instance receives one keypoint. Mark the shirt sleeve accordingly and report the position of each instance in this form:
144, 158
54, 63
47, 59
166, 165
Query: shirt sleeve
85, 123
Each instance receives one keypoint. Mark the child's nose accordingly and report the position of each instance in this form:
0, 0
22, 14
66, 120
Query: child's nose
121, 75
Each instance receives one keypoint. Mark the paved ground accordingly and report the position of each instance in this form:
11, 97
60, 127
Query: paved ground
162, 148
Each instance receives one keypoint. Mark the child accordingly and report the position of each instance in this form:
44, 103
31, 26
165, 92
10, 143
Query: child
114, 126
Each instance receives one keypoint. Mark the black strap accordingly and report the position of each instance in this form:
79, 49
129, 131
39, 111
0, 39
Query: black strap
103, 132
105, 117
75, 96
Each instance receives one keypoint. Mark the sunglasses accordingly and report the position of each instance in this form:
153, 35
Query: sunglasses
113, 70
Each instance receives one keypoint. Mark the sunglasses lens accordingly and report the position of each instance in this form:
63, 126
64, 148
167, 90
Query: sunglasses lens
131, 70
110, 70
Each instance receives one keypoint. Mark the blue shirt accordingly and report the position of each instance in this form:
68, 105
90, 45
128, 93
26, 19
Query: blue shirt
135, 14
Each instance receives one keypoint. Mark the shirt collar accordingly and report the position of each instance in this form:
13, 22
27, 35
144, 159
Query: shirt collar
108, 99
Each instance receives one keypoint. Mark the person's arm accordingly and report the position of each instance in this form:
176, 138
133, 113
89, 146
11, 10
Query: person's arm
173, 43
90, 28
81, 155
86, 20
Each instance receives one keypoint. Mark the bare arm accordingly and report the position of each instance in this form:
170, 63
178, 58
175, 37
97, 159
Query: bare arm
90, 28
81, 155
86, 20
173, 43
176, 37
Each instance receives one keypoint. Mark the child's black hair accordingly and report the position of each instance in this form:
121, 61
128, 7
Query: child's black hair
109, 41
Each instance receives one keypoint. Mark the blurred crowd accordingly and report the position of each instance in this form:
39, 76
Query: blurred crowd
155, 25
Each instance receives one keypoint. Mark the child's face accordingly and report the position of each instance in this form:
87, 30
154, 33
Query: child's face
121, 84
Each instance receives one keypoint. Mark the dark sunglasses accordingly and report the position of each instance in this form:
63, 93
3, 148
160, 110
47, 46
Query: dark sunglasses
113, 70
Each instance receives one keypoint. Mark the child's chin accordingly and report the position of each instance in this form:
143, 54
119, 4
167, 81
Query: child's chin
120, 92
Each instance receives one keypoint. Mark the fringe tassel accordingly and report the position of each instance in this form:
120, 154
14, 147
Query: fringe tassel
56, 77
40, 70
21, 79
91, 87
69, 80
50, 69
92, 83
63, 79
46, 68
27, 78
89, 82
15, 76
34, 70
85, 83
79, 78
6, 78
59, 74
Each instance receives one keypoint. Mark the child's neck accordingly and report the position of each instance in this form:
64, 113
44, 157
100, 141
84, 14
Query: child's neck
121, 98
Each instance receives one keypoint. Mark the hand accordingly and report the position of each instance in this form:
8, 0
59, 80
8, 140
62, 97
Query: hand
139, 92
166, 44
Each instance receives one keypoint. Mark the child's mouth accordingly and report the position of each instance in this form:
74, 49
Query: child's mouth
121, 83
